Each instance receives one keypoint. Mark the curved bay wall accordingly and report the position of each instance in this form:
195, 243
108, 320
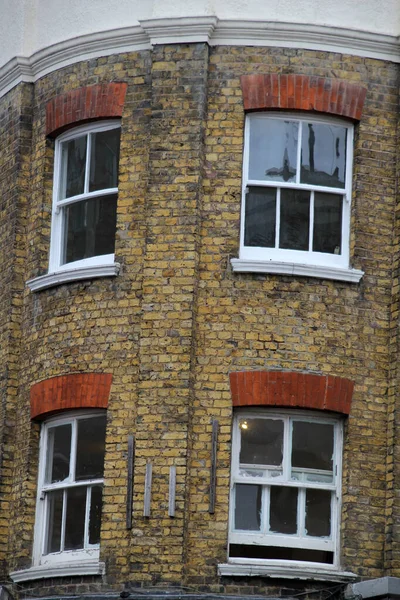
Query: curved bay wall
176, 321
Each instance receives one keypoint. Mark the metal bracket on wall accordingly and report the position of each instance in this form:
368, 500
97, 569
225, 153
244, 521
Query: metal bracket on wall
213, 469
129, 485
172, 491
147, 489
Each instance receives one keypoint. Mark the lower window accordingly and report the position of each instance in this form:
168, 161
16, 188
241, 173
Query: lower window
70, 488
286, 473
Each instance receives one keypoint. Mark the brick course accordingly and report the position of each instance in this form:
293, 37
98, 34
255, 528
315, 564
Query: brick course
84, 104
68, 392
296, 390
303, 92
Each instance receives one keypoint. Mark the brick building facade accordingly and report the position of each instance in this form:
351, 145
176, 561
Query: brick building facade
242, 392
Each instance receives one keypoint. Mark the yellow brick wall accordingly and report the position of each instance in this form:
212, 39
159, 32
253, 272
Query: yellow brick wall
15, 135
176, 320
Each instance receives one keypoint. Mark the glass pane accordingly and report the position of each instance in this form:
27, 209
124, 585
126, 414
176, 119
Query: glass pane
89, 228
280, 553
312, 476
54, 520
75, 519
273, 150
249, 472
247, 507
327, 223
104, 159
95, 514
295, 219
283, 510
58, 453
323, 154
90, 448
318, 513
261, 442
260, 217
312, 445
73, 165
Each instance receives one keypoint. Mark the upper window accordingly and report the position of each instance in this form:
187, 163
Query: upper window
70, 489
296, 190
85, 197
286, 473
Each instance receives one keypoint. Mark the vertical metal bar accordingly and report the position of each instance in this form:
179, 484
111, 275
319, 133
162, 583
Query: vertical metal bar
172, 488
147, 490
213, 470
278, 218
129, 484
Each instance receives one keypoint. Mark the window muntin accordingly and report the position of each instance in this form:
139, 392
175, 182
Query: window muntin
70, 488
85, 196
296, 190
286, 472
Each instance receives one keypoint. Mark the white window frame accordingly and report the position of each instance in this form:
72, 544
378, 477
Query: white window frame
79, 557
263, 538
298, 262
56, 240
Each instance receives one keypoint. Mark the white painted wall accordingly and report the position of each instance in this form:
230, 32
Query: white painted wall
27, 26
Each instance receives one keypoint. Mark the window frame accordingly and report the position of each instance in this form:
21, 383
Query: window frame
259, 538
77, 556
298, 257
57, 220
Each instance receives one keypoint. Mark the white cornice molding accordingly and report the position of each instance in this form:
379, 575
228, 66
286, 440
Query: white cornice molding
240, 265
235, 569
312, 37
81, 568
197, 29
68, 52
180, 30
70, 275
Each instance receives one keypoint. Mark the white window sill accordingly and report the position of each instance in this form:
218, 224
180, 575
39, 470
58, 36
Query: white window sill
298, 571
83, 567
69, 275
240, 265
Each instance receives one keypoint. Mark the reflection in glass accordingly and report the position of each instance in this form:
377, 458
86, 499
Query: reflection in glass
54, 519
327, 223
312, 445
318, 512
104, 160
58, 453
261, 442
75, 518
273, 150
73, 166
95, 514
323, 155
260, 217
295, 219
89, 228
248, 507
283, 510
249, 472
90, 448
311, 476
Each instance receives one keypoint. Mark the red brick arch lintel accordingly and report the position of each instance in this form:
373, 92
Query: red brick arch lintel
292, 390
103, 101
301, 92
68, 392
